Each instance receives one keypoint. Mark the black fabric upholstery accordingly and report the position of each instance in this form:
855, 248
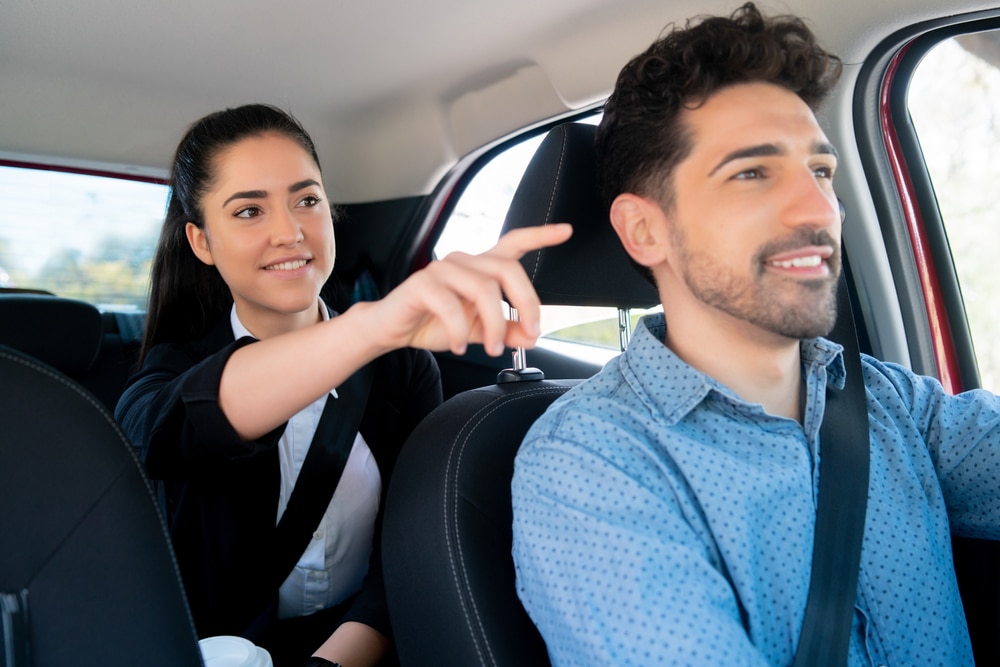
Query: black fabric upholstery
592, 268
64, 333
447, 546
447, 535
98, 350
81, 532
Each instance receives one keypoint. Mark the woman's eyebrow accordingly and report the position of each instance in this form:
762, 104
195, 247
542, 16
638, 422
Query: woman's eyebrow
246, 194
301, 185
262, 194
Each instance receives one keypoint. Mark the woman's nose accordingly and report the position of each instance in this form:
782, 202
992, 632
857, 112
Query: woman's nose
285, 229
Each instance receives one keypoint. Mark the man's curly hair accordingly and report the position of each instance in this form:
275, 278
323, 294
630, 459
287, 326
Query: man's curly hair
641, 139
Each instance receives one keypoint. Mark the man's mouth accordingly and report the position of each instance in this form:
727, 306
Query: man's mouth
806, 262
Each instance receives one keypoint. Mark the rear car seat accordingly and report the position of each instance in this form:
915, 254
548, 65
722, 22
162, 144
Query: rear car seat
98, 350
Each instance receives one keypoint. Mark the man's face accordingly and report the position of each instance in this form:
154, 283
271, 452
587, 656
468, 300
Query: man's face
754, 226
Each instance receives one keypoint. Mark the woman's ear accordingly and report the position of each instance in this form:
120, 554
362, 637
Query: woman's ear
199, 243
641, 226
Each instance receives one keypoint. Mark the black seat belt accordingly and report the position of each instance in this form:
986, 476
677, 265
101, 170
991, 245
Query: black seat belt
841, 506
321, 471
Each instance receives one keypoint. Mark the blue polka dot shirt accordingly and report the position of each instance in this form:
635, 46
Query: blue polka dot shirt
661, 520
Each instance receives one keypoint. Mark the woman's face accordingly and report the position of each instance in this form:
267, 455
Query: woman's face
269, 232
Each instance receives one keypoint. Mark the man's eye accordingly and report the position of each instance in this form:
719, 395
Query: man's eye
749, 174
823, 172
248, 212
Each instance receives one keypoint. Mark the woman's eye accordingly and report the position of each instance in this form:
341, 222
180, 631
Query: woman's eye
248, 212
310, 201
823, 172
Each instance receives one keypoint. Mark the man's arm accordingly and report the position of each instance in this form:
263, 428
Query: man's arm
960, 433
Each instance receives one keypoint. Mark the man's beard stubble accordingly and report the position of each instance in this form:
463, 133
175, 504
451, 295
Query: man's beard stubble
796, 309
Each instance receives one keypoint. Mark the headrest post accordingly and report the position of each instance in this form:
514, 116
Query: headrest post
624, 327
517, 353
520, 372
518, 358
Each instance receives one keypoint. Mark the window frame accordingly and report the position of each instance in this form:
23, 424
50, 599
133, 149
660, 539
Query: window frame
925, 281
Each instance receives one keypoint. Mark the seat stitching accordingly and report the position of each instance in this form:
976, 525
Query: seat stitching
552, 198
103, 411
452, 492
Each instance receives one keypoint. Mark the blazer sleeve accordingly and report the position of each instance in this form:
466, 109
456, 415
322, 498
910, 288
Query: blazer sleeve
170, 412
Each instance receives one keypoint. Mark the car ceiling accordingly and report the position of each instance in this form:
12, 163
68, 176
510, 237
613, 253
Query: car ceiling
393, 92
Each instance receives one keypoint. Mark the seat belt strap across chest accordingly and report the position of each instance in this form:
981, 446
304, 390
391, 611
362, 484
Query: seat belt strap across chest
841, 506
321, 472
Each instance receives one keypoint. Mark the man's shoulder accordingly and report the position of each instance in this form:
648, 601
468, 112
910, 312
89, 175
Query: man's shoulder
602, 398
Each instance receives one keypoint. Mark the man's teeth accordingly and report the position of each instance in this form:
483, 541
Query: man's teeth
811, 261
287, 266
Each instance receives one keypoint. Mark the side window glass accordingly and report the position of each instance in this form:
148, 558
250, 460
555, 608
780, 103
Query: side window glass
954, 102
474, 226
80, 236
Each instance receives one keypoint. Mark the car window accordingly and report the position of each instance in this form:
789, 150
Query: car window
953, 102
78, 235
588, 333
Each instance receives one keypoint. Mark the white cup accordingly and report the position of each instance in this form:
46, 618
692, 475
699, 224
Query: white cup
227, 651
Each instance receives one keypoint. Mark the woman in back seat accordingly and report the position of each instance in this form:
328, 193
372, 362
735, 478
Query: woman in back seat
240, 357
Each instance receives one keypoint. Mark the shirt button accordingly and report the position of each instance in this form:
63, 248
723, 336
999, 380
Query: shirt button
318, 534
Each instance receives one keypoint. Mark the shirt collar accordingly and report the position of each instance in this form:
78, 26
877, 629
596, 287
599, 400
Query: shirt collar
648, 365
239, 331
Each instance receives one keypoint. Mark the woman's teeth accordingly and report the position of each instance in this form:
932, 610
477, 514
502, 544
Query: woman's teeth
287, 266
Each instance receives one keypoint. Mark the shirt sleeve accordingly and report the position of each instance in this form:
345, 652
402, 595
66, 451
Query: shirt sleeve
960, 433
609, 566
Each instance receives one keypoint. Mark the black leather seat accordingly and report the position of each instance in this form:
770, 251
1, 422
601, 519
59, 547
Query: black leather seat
87, 575
447, 534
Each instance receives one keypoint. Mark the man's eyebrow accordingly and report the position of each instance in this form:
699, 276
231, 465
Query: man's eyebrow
761, 150
262, 194
825, 148
770, 150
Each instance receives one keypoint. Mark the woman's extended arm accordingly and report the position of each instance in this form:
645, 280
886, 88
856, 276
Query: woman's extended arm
446, 305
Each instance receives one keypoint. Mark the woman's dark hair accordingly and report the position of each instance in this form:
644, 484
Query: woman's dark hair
641, 139
187, 296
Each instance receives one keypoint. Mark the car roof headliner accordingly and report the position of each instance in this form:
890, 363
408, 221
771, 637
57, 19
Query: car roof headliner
393, 92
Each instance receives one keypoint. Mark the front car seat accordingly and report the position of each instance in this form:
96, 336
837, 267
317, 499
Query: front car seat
87, 575
447, 533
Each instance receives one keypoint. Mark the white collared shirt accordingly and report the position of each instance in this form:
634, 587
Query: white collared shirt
336, 560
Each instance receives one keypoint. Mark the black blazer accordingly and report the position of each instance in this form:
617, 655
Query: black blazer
220, 494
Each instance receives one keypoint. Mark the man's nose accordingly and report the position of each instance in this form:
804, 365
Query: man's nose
811, 203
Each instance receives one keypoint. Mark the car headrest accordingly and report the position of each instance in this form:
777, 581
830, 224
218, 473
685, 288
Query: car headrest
63, 333
592, 268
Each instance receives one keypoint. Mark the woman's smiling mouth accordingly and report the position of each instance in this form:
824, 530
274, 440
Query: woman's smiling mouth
287, 266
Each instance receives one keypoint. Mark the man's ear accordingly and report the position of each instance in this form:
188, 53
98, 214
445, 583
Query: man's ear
199, 243
641, 226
